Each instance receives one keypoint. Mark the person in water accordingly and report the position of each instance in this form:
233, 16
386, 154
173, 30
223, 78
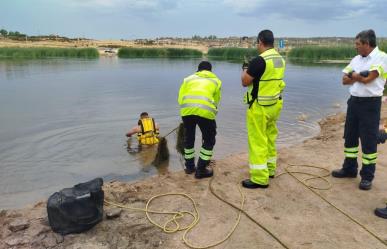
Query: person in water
147, 130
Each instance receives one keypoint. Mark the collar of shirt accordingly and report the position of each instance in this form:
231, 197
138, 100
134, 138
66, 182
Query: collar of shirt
374, 53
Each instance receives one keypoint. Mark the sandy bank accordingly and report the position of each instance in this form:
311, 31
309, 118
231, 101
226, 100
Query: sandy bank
297, 216
101, 45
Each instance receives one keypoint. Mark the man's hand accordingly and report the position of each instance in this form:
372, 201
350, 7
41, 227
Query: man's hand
245, 65
365, 73
382, 136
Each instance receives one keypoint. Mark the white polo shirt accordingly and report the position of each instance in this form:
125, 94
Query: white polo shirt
376, 60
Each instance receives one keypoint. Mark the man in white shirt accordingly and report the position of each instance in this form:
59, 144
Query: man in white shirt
365, 76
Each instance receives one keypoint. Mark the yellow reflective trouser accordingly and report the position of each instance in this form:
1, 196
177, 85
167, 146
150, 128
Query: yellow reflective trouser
262, 133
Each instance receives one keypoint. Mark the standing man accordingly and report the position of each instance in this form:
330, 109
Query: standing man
199, 97
263, 76
363, 109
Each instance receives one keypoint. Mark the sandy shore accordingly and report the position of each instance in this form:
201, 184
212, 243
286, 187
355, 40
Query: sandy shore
293, 213
101, 45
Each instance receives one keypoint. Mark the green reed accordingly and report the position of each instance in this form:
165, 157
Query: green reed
314, 53
232, 53
158, 53
41, 52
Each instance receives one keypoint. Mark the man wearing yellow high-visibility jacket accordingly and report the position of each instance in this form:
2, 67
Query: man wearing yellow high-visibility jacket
263, 76
199, 97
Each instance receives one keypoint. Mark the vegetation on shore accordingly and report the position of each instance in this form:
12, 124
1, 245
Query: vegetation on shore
39, 53
232, 53
313, 53
158, 53
322, 53
383, 46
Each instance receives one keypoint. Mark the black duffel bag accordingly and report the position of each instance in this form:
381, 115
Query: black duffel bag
76, 209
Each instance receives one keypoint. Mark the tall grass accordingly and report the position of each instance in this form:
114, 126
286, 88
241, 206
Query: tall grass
39, 53
322, 53
383, 46
232, 53
158, 53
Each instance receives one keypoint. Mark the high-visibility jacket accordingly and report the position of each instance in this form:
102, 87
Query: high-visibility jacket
267, 91
200, 94
148, 134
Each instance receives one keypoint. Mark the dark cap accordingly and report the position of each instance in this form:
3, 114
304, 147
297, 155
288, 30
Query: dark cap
204, 65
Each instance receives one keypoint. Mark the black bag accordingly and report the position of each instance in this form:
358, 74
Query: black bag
76, 209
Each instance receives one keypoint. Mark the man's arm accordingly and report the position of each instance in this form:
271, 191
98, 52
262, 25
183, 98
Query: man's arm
252, 70
365, 80
134, 130
348, 80
246, 78
218, 94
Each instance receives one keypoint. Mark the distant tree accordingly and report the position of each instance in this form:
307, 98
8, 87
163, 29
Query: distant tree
3, 32
196, 37
212, 37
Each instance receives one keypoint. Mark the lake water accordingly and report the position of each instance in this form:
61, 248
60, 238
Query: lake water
63, 121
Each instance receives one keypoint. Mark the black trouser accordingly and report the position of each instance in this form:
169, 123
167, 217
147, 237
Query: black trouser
362, 121
208, 129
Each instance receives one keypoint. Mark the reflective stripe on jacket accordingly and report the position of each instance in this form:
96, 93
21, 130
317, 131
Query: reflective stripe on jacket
200, 94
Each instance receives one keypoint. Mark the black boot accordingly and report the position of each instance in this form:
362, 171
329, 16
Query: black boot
342, 173
203, 170
190, 169
349, 169
381, 212
189, 166
249, 184
365, 184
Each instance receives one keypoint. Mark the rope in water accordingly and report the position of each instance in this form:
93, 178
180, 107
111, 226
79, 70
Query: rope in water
174, 129
329, 186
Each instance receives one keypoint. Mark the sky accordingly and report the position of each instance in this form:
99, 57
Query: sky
132, 19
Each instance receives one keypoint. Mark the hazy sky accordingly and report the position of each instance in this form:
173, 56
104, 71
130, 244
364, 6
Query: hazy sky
128, 19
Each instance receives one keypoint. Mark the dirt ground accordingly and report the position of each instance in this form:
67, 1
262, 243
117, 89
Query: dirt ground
293, 213
99, 44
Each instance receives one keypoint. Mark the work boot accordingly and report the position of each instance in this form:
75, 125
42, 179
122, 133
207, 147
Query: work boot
189, 169
342, 173
203, 172
189, 166
203, 169
381, 212
249, 184
365, 184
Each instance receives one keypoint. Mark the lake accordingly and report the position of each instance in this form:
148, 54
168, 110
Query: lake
63, 121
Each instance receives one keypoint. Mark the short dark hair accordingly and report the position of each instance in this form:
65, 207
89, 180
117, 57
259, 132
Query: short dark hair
367, 36
143, 114
204, 65
266, 37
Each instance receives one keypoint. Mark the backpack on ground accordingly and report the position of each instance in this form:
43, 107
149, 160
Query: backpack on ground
76, 209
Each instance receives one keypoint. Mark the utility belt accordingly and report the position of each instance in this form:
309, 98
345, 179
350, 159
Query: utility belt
365, 99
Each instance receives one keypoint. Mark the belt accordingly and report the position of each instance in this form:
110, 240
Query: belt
365, 99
